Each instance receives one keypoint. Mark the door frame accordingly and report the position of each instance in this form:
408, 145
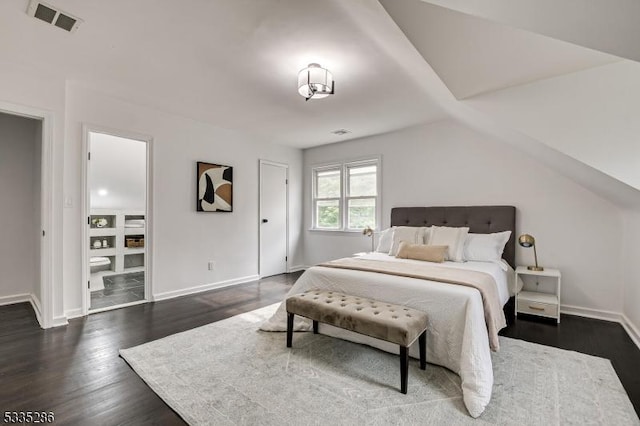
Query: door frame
43, 308
148, 237
286, 167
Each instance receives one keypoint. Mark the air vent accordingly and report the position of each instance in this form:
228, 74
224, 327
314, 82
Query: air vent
49, 14
340, 132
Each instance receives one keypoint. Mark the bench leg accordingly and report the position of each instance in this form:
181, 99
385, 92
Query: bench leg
422, 342
404, 368
315, 327
290, 329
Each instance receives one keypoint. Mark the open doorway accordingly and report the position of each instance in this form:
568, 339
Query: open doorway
117, 221
21, 210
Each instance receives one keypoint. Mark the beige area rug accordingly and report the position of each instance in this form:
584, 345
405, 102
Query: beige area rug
228, 372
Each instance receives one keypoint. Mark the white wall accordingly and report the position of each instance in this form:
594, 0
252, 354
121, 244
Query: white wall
446, 163
19, 245
183, 240
630, 260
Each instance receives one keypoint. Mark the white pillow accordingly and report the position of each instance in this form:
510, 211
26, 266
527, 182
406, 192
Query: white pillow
452, 237
486, 247
385, 240
410, 234
427, 234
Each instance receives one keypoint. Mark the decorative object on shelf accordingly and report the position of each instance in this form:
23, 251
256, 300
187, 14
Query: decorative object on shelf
315, 82
527, 241
369, 233
99, 222
134, 242
215, 188
97, 244
105, 243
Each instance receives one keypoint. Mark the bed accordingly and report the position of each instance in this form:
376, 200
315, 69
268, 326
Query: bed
457, 333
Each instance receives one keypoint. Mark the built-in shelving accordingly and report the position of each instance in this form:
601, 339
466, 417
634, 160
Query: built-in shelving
123, 259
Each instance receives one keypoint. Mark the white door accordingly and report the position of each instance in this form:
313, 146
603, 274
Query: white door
273, 219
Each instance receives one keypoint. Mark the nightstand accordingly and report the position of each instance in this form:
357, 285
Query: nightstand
535, 302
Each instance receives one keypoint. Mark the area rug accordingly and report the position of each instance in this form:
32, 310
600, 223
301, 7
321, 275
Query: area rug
228, 372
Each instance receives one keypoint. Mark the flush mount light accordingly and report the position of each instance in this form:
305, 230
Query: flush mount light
315, 82
103, 192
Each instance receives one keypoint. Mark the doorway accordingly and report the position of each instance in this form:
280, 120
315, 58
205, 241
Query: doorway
22, 212
274, 218
117, 234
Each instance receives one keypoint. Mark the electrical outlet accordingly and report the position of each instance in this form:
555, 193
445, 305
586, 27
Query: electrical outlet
211, 265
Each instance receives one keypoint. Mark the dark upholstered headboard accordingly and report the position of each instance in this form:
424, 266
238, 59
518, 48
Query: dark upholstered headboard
479, 219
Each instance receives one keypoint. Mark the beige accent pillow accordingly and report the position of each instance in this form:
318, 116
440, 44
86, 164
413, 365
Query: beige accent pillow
422, 252
452, 237
410, 234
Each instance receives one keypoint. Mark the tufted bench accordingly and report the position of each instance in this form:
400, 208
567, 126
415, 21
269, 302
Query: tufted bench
391, 323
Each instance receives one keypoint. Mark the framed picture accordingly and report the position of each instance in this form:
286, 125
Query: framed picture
215, 187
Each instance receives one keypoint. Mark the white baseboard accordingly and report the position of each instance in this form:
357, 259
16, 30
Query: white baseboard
25, 298
15, 298
206, 287
73, 313
591, 313
297, 268
631, 330
622, 319
59, 321
37, 308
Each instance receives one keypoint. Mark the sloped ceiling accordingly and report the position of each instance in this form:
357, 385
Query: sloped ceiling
581, 122
473, 55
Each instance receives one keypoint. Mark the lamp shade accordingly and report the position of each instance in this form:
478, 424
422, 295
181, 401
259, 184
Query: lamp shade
526, 240
315, 82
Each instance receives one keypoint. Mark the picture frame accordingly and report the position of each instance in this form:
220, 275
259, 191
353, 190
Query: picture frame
214, 187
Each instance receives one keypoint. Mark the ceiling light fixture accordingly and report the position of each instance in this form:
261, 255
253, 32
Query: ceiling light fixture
315, 82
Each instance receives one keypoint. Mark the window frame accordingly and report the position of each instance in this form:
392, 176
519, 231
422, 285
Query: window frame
345, 197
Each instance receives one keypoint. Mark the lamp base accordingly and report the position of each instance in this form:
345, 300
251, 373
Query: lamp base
535, 268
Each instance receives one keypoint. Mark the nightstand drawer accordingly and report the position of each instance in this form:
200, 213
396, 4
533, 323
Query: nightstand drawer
537, 308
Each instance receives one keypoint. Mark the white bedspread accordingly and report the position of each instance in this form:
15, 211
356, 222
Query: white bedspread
456, 335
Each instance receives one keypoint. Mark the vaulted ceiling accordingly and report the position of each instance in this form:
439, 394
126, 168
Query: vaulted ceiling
557, 79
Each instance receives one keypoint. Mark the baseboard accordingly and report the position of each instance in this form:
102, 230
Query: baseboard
297, 268
59, 321
591, 313
622, 319
37, 308
631, 330
206, 287
15, 298
73, 313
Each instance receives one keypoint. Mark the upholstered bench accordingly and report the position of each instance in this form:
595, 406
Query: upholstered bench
385, 321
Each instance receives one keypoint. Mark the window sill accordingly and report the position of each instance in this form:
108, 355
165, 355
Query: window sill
353, 232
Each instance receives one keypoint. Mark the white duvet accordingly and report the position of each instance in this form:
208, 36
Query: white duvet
457, 334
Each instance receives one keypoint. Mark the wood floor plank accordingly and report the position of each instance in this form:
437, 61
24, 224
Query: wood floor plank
76, 372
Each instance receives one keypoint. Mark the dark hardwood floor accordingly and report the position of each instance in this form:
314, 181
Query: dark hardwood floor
75, 371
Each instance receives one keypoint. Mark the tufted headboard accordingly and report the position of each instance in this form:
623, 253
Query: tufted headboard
479, 219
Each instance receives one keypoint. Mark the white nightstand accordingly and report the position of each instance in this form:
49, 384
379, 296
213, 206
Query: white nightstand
535, 302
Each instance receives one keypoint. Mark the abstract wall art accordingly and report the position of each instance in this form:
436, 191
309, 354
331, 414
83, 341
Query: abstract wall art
215, 187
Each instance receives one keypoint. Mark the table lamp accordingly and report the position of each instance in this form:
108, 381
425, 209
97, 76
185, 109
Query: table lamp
527, 241
369, 233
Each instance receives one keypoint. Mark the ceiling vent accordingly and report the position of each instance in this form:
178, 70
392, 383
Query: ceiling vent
49, 14
340, 132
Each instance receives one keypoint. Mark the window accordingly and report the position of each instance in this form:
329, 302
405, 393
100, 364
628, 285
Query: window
345, 196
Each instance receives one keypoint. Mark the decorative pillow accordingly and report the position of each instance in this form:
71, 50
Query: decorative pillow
485, 247
410, 234
385, 240
452, 237
422, 252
